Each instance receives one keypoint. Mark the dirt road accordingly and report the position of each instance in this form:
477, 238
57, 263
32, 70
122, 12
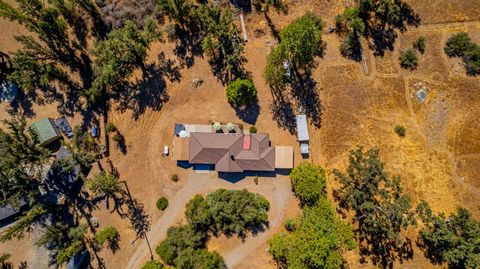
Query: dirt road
275, 189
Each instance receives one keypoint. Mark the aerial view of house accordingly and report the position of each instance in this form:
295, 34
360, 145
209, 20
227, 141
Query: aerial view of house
230, 152
215, 134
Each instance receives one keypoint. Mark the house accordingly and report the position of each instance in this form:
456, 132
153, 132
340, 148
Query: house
231, 152
58, 181
46, 130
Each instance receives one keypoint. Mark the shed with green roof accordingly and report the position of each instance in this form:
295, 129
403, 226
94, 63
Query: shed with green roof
46, 131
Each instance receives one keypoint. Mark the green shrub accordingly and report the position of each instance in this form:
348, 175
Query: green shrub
253, 129
308, 183
351, 47
199, 258
420, 44
400, 130
111, 128
290, 225
472, 60
162, 203
454, 240
180, 238
408, 59
117, 138
458, 44
109, 234
241, 92
175, 177
153, 265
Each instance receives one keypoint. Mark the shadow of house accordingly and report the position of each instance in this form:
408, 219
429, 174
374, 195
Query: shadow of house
235, 177
79, 261
60, 178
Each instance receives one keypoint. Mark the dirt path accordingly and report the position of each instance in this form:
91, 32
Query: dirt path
276, 190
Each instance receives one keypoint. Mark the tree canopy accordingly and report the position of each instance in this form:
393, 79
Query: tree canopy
228, 211
241, 92
458, 44
180, 239
152, 265
461, 45
408, 59
301, 40
118, 55
375, 19
109, 235
381, 209
222, 211
21, 160
105, 183
308, 183
61, 33
454, 240
300, 43
318, 241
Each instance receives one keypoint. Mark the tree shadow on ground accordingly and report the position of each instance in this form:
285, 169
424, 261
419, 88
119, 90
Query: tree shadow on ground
283, 114
305, 93
139, 219
188, 45
384, 254
22, 104
249, 114
120, 142
149, 92
381, 37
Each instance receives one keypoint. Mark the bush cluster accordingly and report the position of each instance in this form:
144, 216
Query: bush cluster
317, 238
420, 44
162, 203
109, 234
223, 211
300, 43
400, 130
460, 45
153, 265
308, 183
228, 211
408, 59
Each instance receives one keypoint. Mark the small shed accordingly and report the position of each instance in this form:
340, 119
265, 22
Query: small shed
302, 128
46, 131
283, 157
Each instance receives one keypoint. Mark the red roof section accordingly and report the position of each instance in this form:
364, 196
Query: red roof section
246, 142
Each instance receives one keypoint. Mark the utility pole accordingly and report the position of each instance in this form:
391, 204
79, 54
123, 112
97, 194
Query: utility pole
144, 234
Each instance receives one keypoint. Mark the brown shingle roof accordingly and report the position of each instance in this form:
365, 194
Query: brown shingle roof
227, 153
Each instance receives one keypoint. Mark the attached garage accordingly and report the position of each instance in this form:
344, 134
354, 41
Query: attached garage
283, 157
